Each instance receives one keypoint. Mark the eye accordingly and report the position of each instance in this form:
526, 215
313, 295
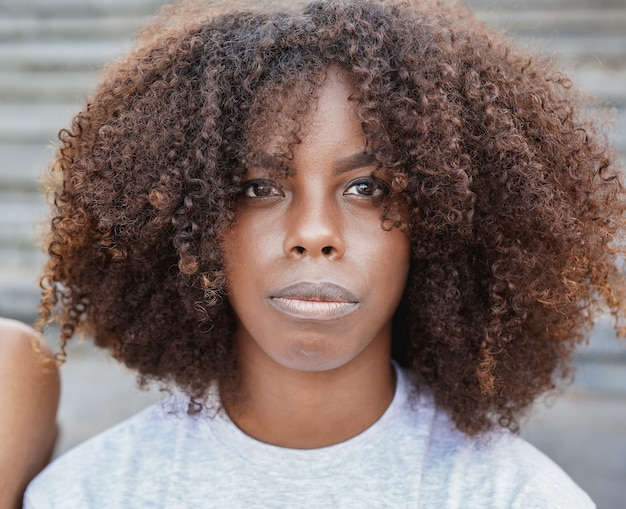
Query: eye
260, 188
368, 187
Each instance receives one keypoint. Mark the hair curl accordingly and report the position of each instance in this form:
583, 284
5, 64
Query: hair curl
515, 208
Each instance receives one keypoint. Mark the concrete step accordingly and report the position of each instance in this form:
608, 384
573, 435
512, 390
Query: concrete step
529, 22
32, 123
601, 52
72, 8
538, 22
19, 296
20, 271
617, 133
39, 28
21, 218
605, 84
66, 55
47, 86
524, 5
22, 261
604, 346
139, 7
21, 165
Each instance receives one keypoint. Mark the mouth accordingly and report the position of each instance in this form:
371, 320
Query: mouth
315, 301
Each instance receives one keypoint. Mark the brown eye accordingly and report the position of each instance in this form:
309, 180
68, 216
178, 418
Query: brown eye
368, 187
260, 189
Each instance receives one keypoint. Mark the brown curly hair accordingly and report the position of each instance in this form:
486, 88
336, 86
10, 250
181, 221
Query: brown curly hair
514, 204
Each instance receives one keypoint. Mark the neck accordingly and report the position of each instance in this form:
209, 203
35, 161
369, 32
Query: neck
311, 409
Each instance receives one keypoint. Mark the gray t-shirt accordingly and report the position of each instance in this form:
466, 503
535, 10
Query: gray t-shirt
411, 457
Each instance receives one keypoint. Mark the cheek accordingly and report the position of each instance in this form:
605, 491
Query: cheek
231, 248
390, 258
402, 248
399, 258
248, 242
249, 253
235, 259
390, 249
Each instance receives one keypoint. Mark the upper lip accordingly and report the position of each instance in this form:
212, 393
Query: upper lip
326, 292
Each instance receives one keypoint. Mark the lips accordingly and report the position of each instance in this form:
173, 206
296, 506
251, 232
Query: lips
315, 301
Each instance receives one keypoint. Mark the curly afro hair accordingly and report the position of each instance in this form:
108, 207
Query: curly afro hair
514, 203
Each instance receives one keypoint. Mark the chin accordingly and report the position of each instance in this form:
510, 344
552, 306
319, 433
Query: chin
309, 360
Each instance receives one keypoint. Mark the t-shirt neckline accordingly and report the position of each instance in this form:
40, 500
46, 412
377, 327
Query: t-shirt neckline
269, 456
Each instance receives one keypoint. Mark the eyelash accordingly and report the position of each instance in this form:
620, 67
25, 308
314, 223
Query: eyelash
377, 189
249, 186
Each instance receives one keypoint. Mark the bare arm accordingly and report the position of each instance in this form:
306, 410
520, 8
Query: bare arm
29, 397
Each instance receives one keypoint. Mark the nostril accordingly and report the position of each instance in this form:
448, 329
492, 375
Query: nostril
300, 249
327, 250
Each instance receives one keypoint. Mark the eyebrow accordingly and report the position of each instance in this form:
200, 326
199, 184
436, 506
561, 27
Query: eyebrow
344, 165
354, 162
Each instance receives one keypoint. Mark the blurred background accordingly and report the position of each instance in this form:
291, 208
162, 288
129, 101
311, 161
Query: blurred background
50, 54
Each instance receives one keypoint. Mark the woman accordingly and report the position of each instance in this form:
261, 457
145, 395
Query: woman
356, 239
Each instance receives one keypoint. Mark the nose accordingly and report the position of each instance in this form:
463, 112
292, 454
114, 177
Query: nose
314, 229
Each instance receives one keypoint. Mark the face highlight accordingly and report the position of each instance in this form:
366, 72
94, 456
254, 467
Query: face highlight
313, 279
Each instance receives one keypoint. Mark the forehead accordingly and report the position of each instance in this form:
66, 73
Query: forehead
284, 116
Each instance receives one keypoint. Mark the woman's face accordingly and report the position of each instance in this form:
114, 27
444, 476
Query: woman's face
313, 279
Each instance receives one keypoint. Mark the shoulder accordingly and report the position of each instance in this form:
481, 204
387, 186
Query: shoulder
26, 360
515, 471
114, 464
18, 339
28, 402
509, 471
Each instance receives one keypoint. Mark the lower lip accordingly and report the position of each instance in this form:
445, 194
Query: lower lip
312, 309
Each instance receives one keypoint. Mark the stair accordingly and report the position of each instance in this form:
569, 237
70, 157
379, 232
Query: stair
50, 53
51, 50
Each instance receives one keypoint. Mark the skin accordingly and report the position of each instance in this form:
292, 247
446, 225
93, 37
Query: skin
313, 376
28, 404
